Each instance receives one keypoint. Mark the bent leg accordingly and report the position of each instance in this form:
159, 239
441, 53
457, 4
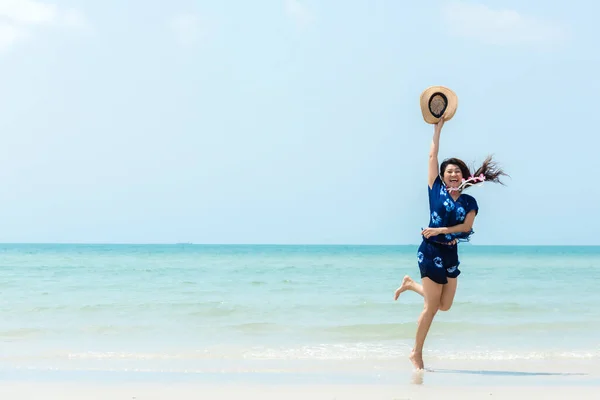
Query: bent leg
432, 293
448, 292
446, 298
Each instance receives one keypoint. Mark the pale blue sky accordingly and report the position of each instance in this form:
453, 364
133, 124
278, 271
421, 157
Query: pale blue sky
292, 121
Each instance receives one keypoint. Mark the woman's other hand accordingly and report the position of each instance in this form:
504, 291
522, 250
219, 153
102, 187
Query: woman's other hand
429, 232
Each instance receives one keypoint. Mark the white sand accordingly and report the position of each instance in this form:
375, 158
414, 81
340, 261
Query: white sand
512, 379
150, 391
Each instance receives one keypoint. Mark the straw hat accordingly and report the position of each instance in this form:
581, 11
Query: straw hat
437, 101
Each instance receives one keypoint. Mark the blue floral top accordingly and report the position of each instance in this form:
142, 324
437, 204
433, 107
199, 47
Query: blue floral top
445, 211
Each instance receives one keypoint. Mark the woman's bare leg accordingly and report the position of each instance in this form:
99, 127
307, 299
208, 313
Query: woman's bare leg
432, 294
448, 293
446, 299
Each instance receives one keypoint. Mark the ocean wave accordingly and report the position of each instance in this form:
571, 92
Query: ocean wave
450, 329
259, 327
206, 308
21, 333
356, 351
116, 355
505, 355
343, 351
372, 352
385, 331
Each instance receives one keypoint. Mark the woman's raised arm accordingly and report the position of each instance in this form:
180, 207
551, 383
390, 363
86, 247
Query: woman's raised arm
433, 152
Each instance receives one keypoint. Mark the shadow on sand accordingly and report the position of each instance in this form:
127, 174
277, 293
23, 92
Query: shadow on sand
418, 376
503, 373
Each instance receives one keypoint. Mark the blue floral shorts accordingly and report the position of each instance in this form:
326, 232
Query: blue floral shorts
438, 261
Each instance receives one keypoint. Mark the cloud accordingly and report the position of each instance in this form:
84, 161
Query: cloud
18, 18
499, 27
187, 29
9, 34
74, 19
298, 12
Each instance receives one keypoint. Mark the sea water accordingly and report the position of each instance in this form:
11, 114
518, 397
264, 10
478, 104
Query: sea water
218, 309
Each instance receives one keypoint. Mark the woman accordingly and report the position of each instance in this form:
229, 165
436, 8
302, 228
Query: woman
452, 213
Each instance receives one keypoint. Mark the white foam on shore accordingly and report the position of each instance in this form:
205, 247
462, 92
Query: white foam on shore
340, 351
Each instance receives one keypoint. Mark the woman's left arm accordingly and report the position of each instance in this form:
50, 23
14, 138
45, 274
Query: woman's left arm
466, 226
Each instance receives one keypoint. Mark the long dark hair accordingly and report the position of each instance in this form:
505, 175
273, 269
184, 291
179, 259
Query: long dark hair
489, 169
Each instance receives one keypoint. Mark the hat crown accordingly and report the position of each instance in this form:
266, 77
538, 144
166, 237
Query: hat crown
438, 104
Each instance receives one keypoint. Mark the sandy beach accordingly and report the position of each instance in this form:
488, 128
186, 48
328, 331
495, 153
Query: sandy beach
149, 391
515, 379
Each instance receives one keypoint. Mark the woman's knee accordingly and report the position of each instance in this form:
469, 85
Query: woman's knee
445, 306
431, 307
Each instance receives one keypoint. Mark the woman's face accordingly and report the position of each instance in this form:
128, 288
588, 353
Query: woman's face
453, 176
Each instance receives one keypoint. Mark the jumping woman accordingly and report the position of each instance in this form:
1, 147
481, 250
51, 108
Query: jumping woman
452, 214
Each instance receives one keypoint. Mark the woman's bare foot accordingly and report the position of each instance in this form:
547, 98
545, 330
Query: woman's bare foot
406, 285
416, 359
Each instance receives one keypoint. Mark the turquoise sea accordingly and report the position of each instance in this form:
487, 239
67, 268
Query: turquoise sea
216, 309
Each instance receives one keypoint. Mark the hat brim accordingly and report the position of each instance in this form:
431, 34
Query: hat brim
451, 106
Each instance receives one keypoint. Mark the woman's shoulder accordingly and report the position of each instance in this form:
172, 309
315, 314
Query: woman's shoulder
436, 182
467, 197
469, 202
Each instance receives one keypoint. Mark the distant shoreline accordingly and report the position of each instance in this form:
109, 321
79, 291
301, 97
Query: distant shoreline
275, 244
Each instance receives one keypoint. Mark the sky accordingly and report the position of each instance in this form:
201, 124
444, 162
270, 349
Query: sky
292, 121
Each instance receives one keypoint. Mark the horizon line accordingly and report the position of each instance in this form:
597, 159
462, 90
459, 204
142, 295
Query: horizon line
282, 244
